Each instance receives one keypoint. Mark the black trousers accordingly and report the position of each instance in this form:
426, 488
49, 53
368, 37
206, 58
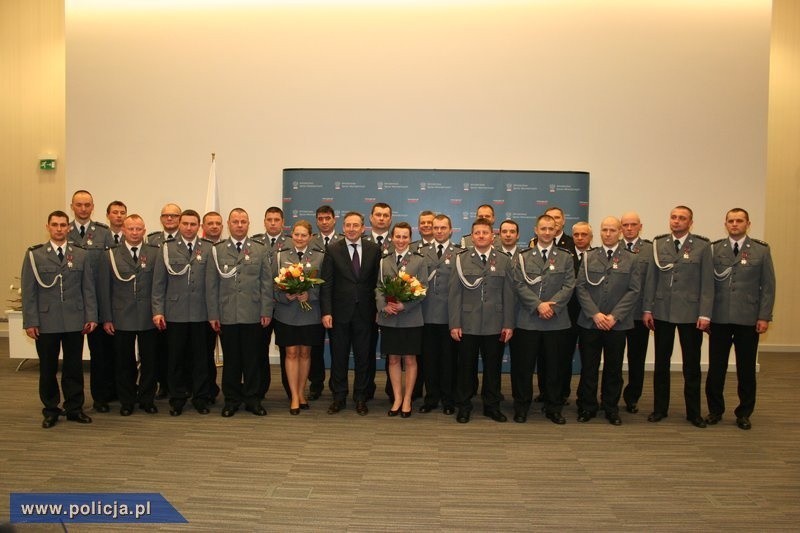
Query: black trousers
490, 349
243, 352
355, 334
439, 359
545, 352
609, 346
125, 351
162, 361
637, 338
744, 339
691, 340
211, 363
102, 383
316, 374
265, 379
48, 346
188, 364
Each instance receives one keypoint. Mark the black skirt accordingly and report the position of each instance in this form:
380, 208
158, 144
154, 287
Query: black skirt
310, 335
401, 341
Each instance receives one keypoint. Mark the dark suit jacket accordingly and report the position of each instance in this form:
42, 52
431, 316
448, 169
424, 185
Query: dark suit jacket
343, 295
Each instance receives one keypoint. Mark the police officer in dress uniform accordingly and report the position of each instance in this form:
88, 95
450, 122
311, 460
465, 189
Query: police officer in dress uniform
58, 307
179, 308
608, 286
481, 319
124, 291
116, 212
744, 294
425, 228
484, 211
679, 294
638, 336
239, 304
212, 232
94, 237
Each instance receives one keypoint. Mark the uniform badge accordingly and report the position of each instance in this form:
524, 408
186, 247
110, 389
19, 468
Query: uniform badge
446, 261
89, 242
744, 258
225, 268
69, 261
308, 265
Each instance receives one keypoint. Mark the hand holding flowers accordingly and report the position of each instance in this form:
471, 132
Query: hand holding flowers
295, 282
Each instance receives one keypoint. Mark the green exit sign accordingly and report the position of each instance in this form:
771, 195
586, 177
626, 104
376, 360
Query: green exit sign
47, 164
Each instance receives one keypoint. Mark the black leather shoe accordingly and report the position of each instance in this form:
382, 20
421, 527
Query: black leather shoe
405, 414
175, 411
520, 418
229, 410
495, 415
361, 408
712, 419
80, 417
126, 410
614, 419
149, 409
697, 421
656, 417
462, 417
335, 407
743, 422
556, 418
202, 410
256, 409
449, 410
49, 421
632, 408
101, 407
584, 416
427, 408
294, 410
393, 412
314, 395
305, 406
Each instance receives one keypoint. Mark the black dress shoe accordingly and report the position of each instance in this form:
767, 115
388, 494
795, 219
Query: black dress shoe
697, 421
361, 408
101, 407
175, 411
335, 407
743, 422
126, 410
80, 417
149, 409
405, 414
632, 408
520, 418
314, 395
656, 417
462, 417
584, 416
256, 409
229, 410
614, 419
202, 409
556, 418
449, 410
294, 410
49, 421
305, 406
393, 412
427, 408
713, 418
539, 399
495, 415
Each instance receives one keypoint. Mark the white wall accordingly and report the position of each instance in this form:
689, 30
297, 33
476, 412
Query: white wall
663, 102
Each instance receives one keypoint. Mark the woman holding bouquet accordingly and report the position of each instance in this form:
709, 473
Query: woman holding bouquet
297, 311
398, 295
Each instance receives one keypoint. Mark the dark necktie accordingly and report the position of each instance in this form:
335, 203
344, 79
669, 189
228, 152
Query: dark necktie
483, 258
272, 241
399, 259
83, 231
170, 236
60, 254
134, 249
380, 240
544, 255
736, 248
439, 253
356, 260
239, 247
327, 240
630, 246
190, 248
116, 239
677, 246
580, 257
610, 253
300, 255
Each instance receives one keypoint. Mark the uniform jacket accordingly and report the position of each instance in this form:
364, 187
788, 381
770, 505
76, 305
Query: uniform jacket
70, 302
644, 256
744, 285
683, 292
386, 246
179, 286
487, 305
318, 241
608, 287
411, 316
124, 296
239, 285
434, 306
288, 311
466, 242
540, 281
157, 238
344, 294
97, 237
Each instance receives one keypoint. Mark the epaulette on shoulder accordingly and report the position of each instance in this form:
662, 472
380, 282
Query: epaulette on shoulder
77, 245
206, 240
570, 252
762, 243
523, 250
662, 236
317, 249
153, 233
720, 240
455, 244
701, 237
648, 241
257, 240
152, 245
461, 251
415, 252
101, 224
35, 246
219, 243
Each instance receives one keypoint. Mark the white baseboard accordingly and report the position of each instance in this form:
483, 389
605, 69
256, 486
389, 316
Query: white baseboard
779, 348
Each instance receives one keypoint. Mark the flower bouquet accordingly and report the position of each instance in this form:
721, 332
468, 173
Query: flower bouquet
402, 288
294, 280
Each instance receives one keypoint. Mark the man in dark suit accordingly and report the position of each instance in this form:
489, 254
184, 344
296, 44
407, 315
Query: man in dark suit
744, 294
350, 271
58, 307
679, 294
